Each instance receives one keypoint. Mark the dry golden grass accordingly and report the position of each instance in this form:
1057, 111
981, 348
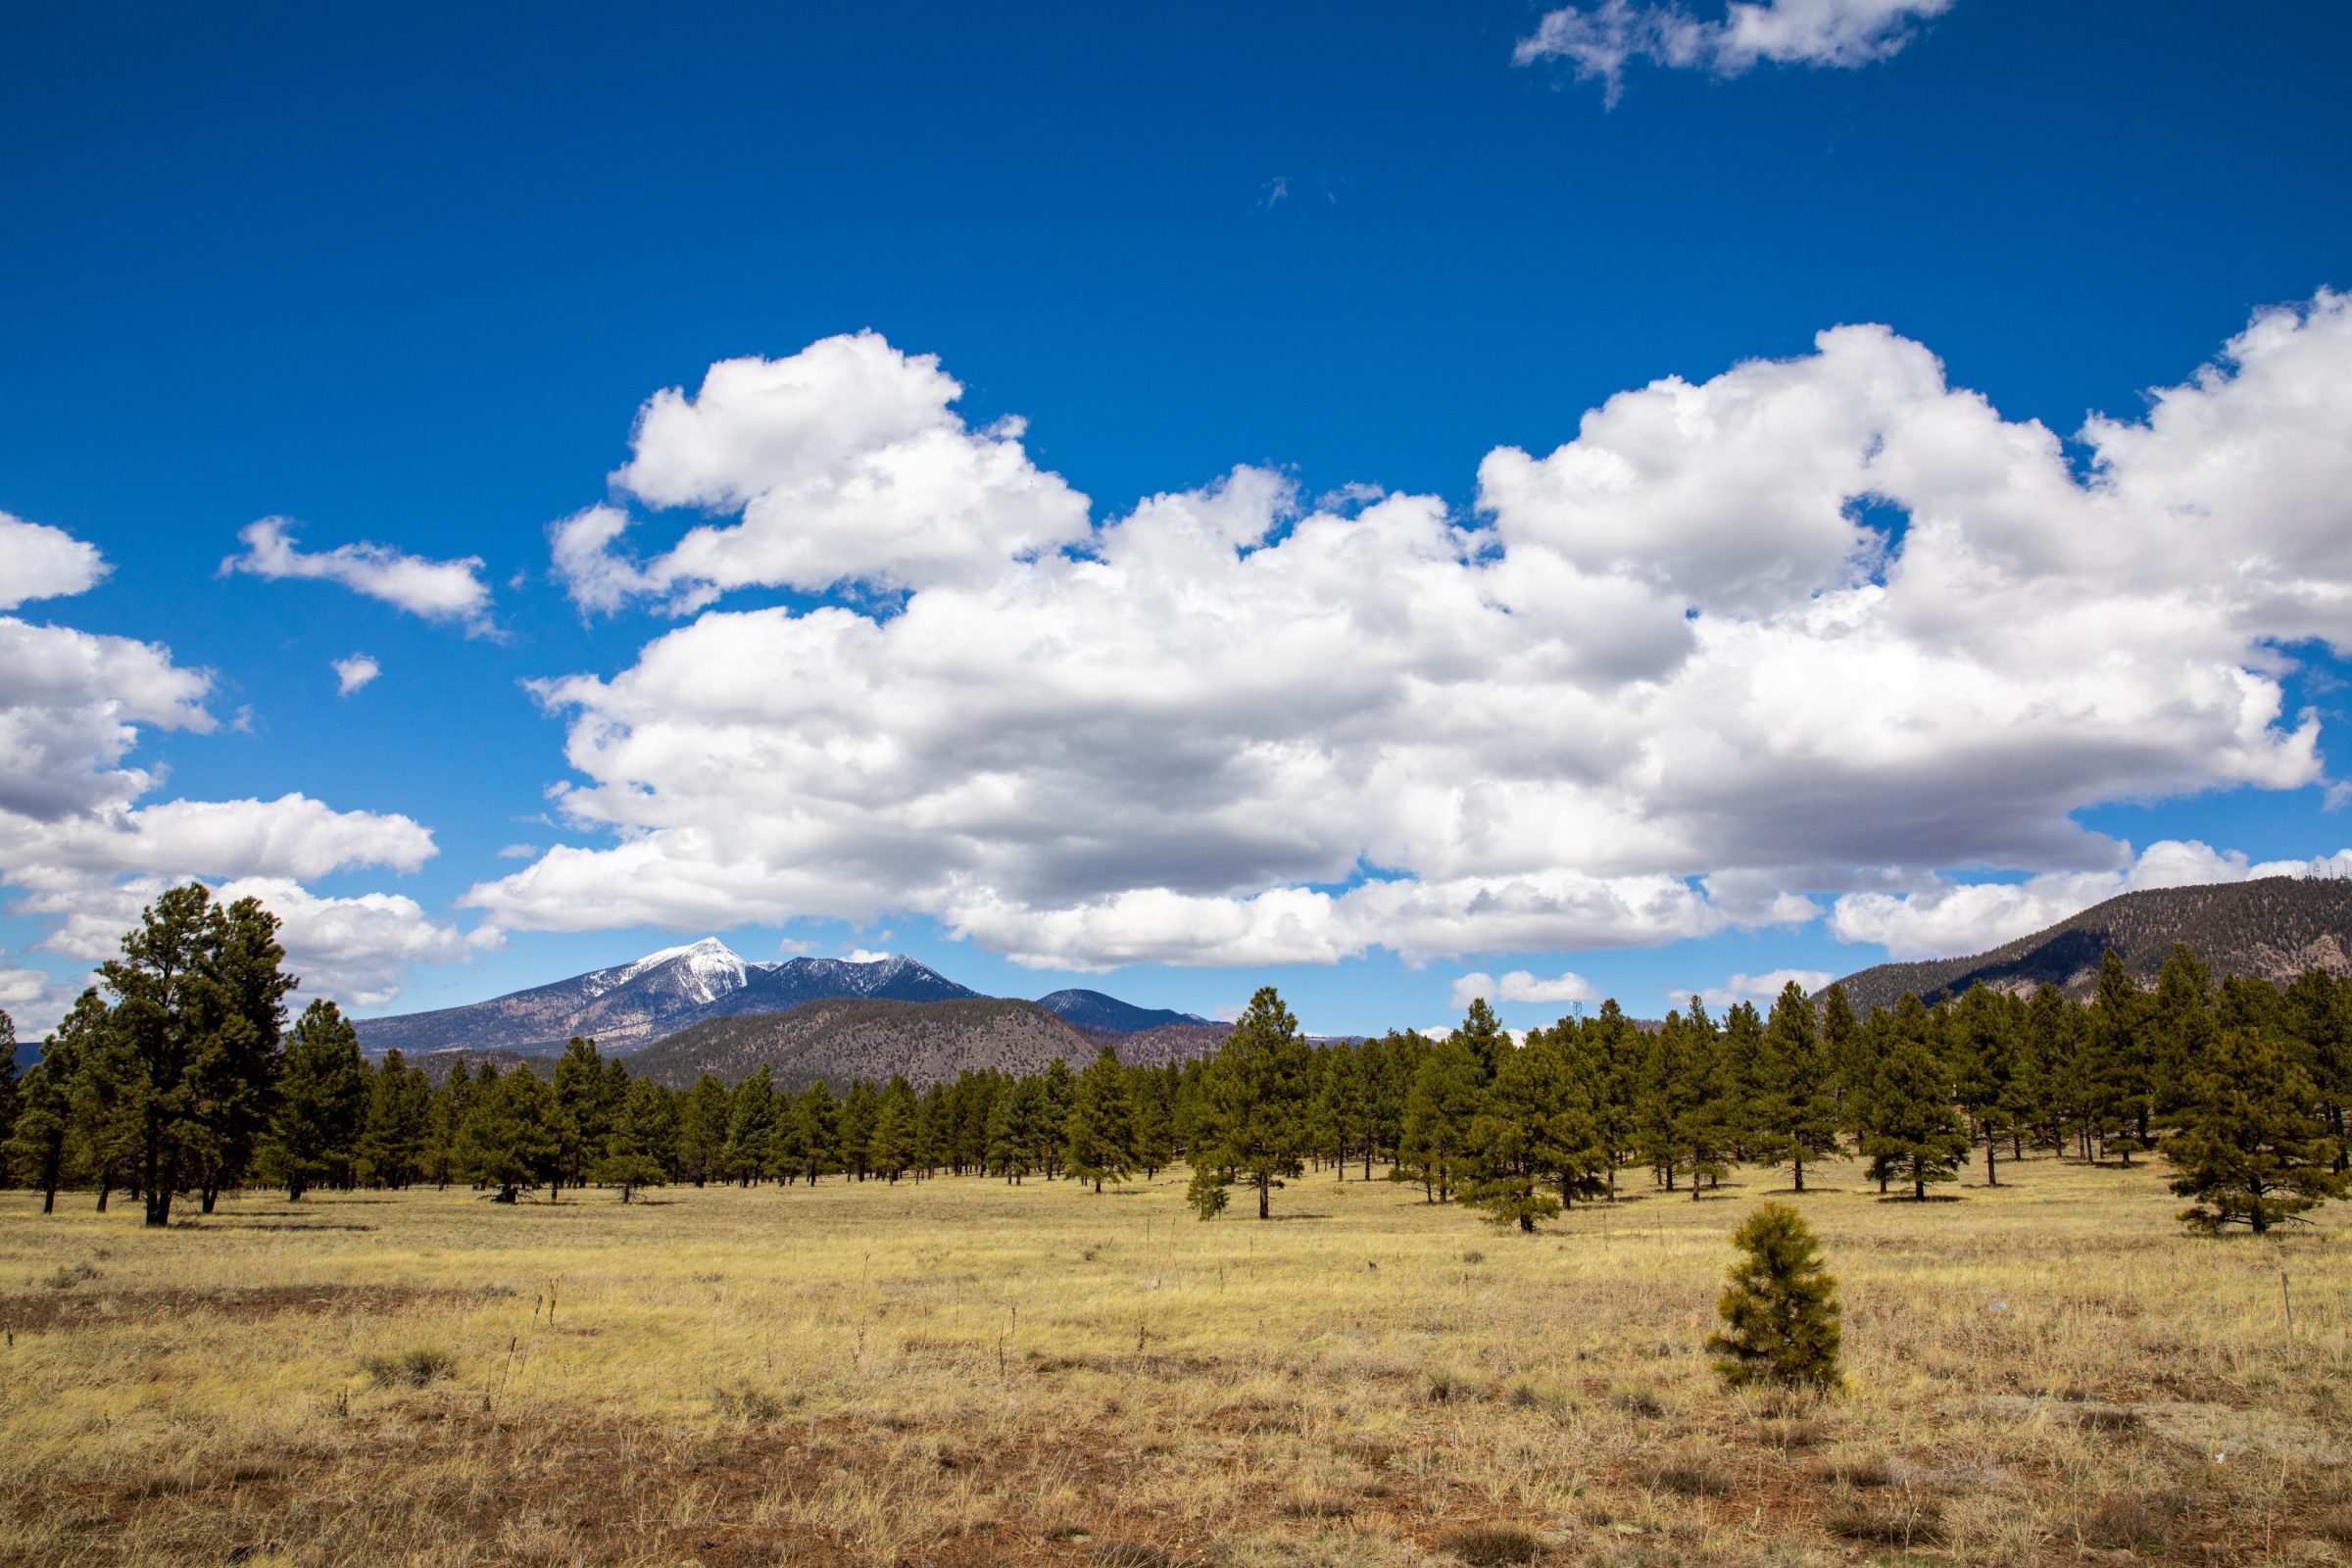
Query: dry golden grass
960, 1372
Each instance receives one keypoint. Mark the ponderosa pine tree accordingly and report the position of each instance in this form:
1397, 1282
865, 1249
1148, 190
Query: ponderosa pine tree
1155, 1121
323, 1092
192, 1039
585, 1100
45, 1127
1520, 1138
2067, 1097
1842, 1044
1701, 1129
1099, 1138
2252, 1149
1796, 1104
394, 1131
8, 1085
508, 1139
2316, 1013
1983, 1047
644, 1126
2122, 1059
819, 1116
1913, 1129
1255, 1116
752, 1113
1434, 1144
703, 1130
1780, 1307
889, 1149
2183, 1029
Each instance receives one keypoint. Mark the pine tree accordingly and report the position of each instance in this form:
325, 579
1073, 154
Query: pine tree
1700, 1128
1797, 1105
2316, 1014
891, 1147
323, 1097
1520, 1138
1155, 1121
36, 1153
394, 1131
855, 1133
7, 1086
1913, 1129
193, 1041
2252, 1149
2183, 1028
703, 1131
2121, 1065
1255, 1113
818, 1115
752, 1112
643, 1123
586, 1100
1780, 1309
1099, 1138
1842, 1042
1432, 1145
508, 1139
2062, 1092
1983, 1052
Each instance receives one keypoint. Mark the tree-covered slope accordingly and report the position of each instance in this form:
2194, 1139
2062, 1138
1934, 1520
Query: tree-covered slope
2273, 928
839, 1040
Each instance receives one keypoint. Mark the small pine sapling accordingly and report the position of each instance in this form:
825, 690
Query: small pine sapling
1779, 1309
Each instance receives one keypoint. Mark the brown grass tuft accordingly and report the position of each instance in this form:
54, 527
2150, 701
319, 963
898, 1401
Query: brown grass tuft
1490, 1546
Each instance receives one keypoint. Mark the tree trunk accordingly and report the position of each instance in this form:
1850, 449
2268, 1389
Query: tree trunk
211, 1196
1526, 1224
1918, 1181
1991, 1142
1264, 1185
1801, 1170
158, 1205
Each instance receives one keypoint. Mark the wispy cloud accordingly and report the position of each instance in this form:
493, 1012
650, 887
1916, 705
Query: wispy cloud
1601, 40
354, 672
437, 590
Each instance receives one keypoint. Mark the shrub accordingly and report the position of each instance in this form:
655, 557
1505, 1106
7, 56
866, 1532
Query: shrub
1490, 1546
1780, 1309
415, 1368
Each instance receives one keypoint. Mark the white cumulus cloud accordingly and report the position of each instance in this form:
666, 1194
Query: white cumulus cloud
1948, 919
1761, 989
1602, 39
354, 672
84, 848
436, 590
38, 561
1522, 985
845, 462
1672, 677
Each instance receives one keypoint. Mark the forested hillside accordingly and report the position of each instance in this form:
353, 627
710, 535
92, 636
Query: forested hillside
2273, 929
841, 1040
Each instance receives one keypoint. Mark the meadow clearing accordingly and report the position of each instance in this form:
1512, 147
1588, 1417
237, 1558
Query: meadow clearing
965, 1372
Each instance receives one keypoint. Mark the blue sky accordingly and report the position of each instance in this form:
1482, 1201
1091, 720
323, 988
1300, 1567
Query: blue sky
408, 278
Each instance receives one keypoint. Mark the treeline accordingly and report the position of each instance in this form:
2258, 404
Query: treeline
177, 1076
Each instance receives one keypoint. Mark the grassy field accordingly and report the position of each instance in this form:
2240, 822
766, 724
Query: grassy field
963, 1372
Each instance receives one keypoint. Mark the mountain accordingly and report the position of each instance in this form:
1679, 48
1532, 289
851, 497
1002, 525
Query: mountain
633, 1005
2273, 929
842, 1038
1092, 1010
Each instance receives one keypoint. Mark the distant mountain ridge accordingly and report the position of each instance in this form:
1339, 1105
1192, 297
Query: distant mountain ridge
2272, 928
629, 1006
1092, 1010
